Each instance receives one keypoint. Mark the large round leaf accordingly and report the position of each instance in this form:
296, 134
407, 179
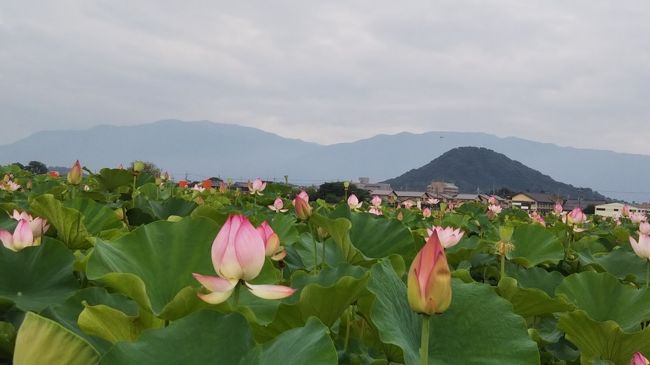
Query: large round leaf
604, 298
37, 276
377, 238
68, 222
624, 264
478, 328
96, 217
203, 337
43, 341
534, 245
154, 264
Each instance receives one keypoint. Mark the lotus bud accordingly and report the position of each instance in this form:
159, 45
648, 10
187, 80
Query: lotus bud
346, 184
426, 212
639, 359
303, 209
74, 175
641, 247
376, 201
557, 209
353, 202
21, 238
576, 216
644, 228
429, 279
271, 242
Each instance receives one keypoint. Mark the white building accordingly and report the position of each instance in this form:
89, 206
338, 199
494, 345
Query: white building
612, 209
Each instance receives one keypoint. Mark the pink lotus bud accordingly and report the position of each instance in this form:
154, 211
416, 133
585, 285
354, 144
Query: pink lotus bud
639, 359
272, 246
536, 218
557, 209
408, 204
625, 212
304, 196
75, 175
376, 201
644, 228
278, 206
576, 216
426, 212
353, 202
238, 254
257, 187
301, 203
492, 200
38, 225
447, 236
642, 247
21, 238
429, 279
638, 217
375, 211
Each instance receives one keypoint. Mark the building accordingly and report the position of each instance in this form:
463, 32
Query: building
418, 197
364, 183
571, 204
540, 202
385, 195
442, 187
614, 209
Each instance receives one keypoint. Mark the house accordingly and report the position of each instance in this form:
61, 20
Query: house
540, 202
385, 195
418, 197
442, 187
615, 209
464, 198
364, 183
571, 204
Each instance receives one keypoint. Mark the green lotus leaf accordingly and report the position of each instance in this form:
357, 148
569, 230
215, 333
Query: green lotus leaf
377, 238
625, 265
174, 206
112, 179
535, 245
69, 223
109, 323
478, 328
529, 302
535, 277
96, 217
7, 339
339, 230
599, 341
154, 264
203, 337
37, 276
43, 341
604, 298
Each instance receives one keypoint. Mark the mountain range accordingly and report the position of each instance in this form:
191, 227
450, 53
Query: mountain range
478, 169
203, 149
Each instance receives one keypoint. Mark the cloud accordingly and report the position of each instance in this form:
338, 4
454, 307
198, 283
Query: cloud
571, 73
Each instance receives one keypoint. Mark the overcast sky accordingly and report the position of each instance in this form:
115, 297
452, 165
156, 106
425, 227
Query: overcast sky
570, 72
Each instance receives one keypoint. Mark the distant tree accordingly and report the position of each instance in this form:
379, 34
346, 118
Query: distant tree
334, 192
36, 167
503, 192
149, 168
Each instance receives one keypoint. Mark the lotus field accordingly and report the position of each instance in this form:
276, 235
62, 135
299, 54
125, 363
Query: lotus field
122, 267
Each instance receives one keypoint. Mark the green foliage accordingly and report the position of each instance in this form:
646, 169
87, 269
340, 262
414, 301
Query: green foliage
334, 192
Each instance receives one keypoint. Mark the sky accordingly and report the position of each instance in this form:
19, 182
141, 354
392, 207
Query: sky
574, 73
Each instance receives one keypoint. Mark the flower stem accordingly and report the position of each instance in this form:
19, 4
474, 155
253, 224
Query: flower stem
135, 178
236, 296
350, 316
503, 267
647, 275
424, 344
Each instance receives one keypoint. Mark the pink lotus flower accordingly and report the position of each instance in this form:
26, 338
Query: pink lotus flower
537, 218
644, 228
277, 206
642, 247
447, 236
376, 201
8, 184
638, 217
492, 200
38, 225
426, 212
558, 209
375, 211
272, 246
576, 216
408, 204
429, 279
301, 204
494, 209
238, 255
21, 238
75, 174
257, 186
625, 212
639, 359
353, 202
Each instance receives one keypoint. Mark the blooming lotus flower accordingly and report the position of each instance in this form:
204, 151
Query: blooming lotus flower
38, 225
447, 236
21, 238
642, 247
639, 359
376, 201
492, 200
426, 212
494, 209
625, 212
183, 184
558, 209
576, 216
277, 206
644, 228
429, 279
271, 242
353, 202
537, 218
257, 187
301, 203
638, 217
53, 174
75, 175
408, 204
238, 255
375, 211
433, 201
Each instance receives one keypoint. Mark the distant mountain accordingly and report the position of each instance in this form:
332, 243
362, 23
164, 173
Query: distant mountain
475, 169
204, 149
